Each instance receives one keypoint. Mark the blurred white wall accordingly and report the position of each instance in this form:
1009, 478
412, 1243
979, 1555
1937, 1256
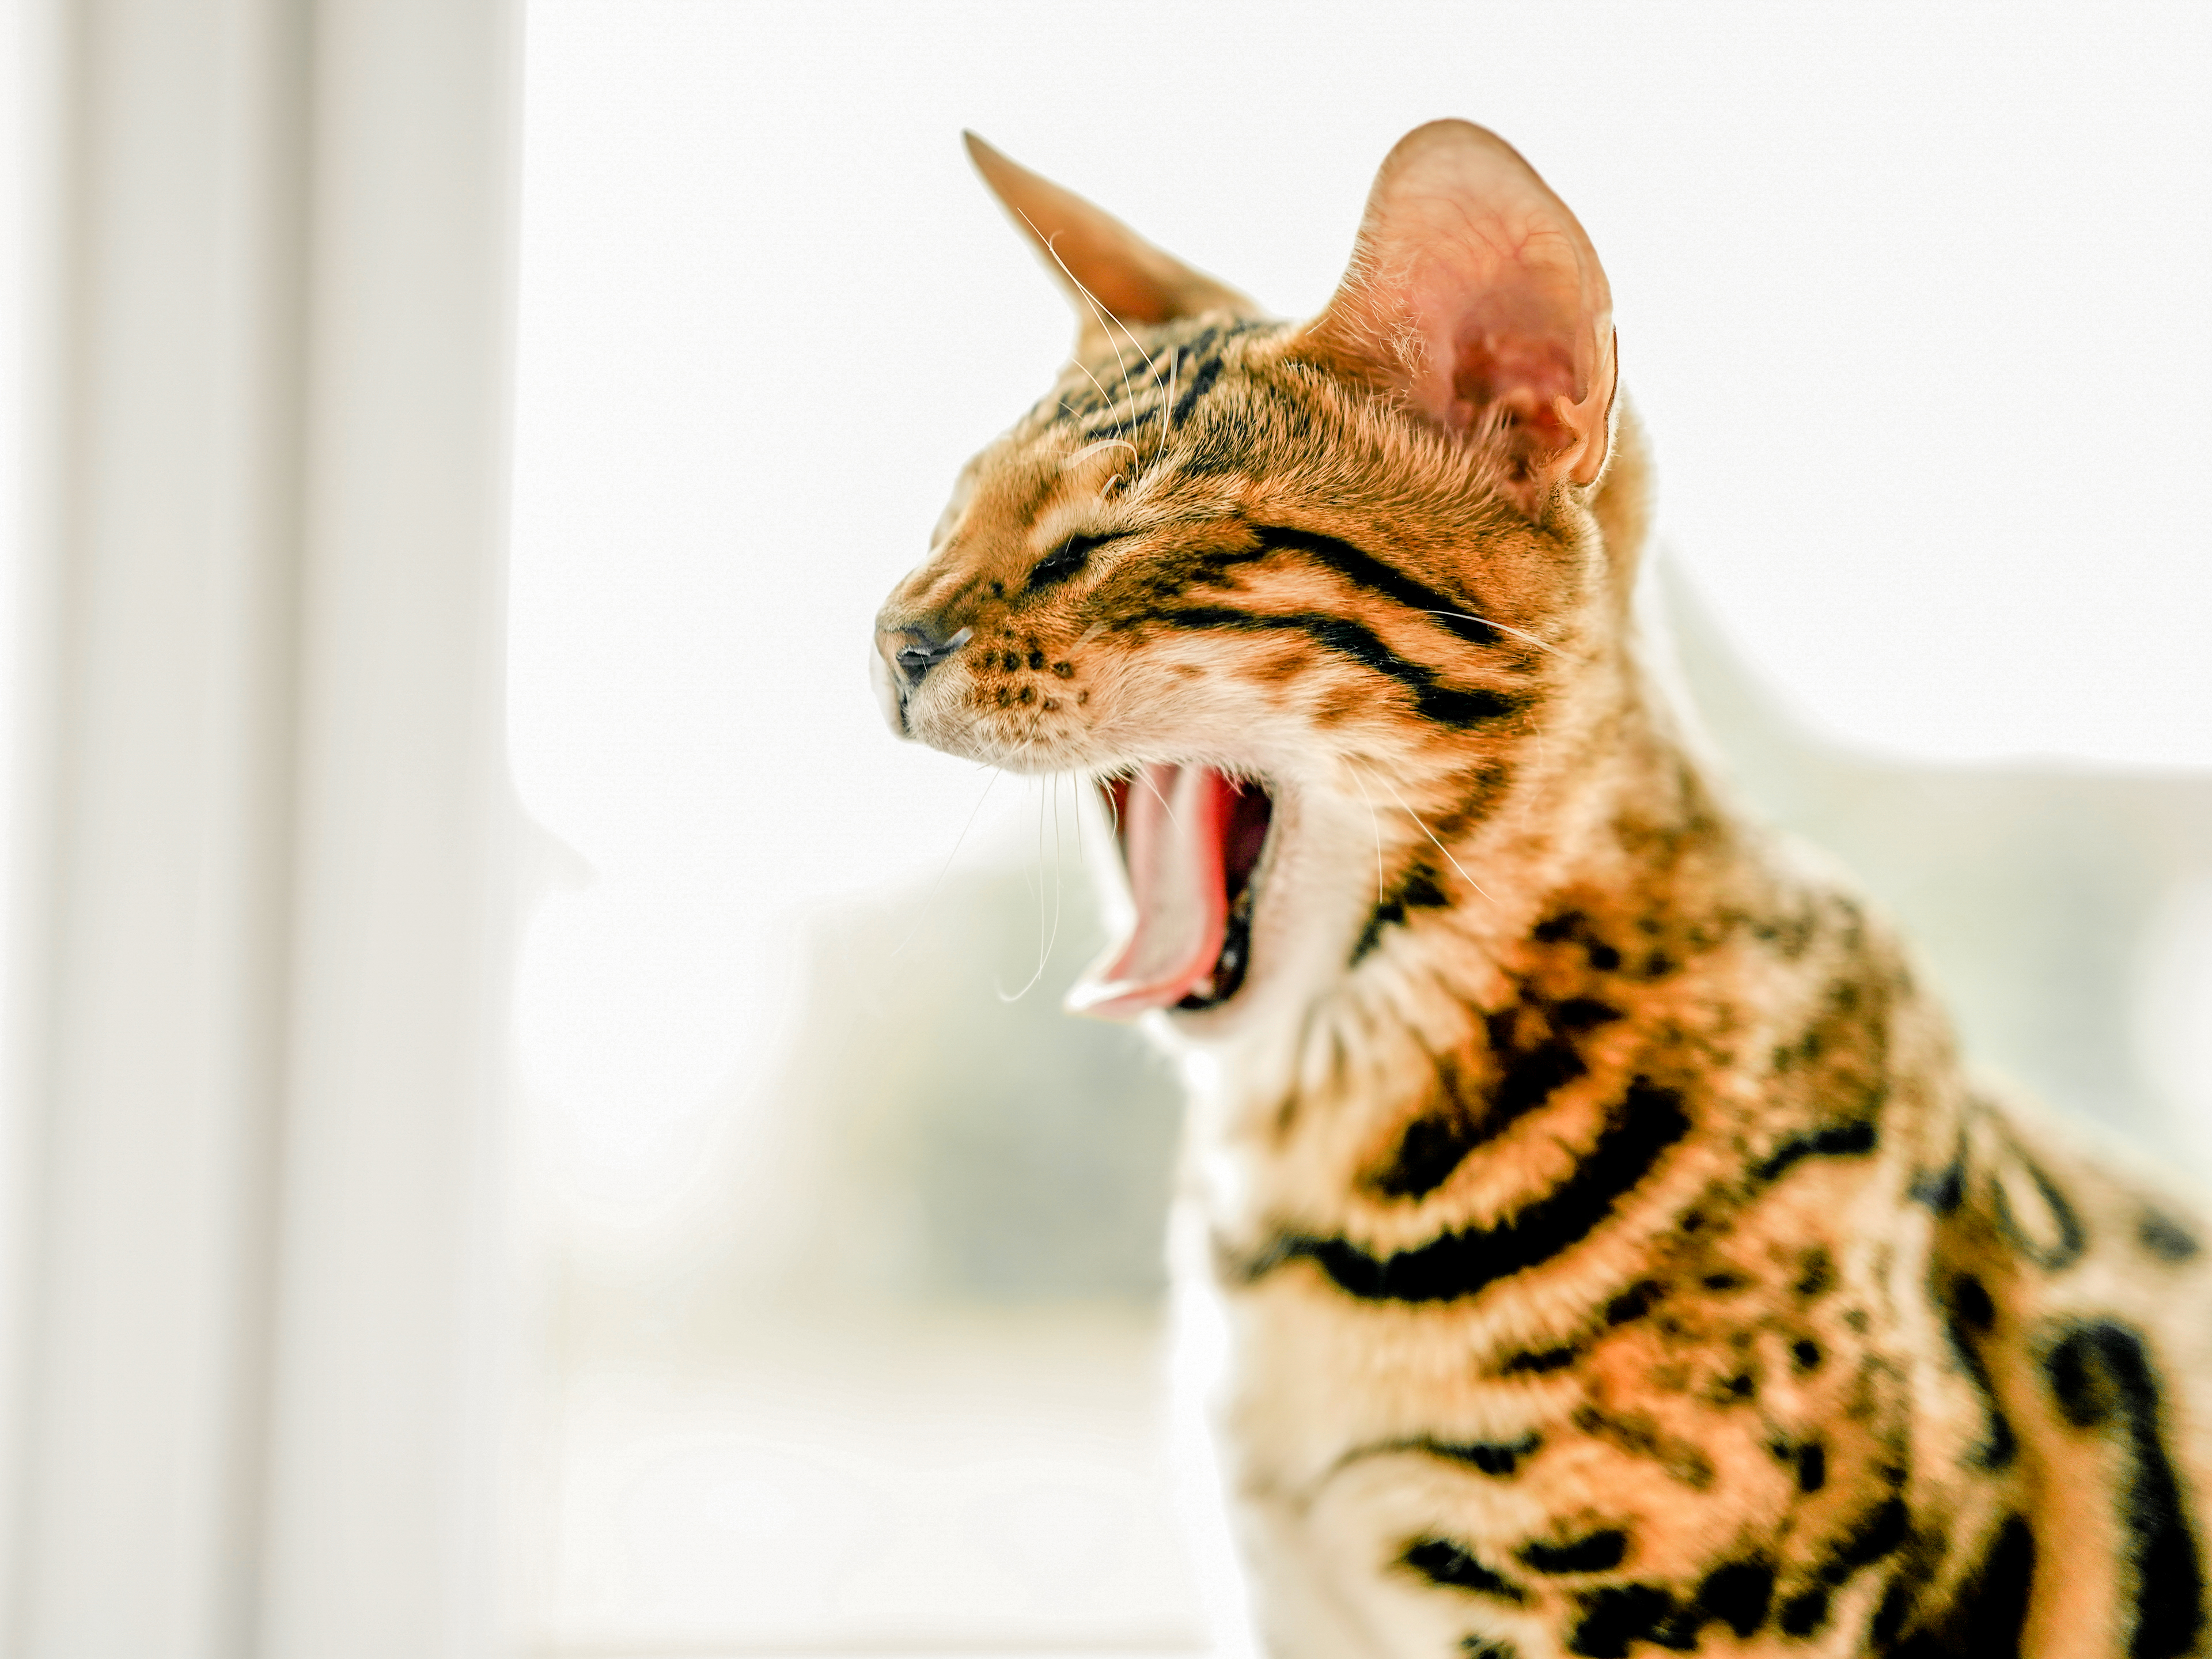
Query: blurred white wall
1910, 296
259, 825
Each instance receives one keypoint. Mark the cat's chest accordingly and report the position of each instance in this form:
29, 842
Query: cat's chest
1468, 1113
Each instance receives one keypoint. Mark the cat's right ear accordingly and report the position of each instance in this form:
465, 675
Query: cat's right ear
1475, 301
1110, 274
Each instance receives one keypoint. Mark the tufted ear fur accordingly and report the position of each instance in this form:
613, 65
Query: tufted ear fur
1474, 297
1103, 264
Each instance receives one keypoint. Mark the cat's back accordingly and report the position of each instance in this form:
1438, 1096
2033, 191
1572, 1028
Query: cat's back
2075, 1279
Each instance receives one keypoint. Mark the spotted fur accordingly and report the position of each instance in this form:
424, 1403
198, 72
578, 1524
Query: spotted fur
1615, 1256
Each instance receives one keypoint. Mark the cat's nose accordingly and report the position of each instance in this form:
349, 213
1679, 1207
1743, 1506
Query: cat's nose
904, 658
915, 649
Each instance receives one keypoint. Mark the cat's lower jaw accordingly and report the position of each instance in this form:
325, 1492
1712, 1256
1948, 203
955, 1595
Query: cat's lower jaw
1291, 923
1192, 839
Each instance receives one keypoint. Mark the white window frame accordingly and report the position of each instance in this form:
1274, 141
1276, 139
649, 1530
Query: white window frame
255, 1311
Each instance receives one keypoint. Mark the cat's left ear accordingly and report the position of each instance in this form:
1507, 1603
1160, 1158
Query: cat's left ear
1099, 263
1474, 297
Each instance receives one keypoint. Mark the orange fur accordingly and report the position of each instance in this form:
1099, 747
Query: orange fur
1613, 1256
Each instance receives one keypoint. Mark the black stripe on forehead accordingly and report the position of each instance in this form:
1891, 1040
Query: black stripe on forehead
1124, 427
1201, 382
1119, 388
1117, 395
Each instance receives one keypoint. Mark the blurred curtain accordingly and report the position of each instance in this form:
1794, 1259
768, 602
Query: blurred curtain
254, 1249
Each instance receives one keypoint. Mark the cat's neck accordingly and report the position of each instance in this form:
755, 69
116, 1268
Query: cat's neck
1622, 814
1615, 912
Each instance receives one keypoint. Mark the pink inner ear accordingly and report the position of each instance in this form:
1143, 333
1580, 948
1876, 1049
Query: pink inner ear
1474, 291
1509, 371
1500, 318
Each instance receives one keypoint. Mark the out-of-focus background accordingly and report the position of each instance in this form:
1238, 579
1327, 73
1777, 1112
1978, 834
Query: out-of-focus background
804, 1291
1912, 299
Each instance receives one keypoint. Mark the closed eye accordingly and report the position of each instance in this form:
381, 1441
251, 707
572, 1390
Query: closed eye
1064, 560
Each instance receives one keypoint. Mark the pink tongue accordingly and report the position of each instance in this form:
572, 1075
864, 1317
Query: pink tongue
1172, 825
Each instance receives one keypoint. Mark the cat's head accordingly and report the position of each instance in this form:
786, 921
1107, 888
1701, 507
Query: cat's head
1312, 603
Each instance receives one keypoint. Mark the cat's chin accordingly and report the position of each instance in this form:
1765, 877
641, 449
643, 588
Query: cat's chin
1193, 839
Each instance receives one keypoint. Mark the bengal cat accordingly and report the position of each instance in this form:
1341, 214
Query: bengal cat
1612, 1252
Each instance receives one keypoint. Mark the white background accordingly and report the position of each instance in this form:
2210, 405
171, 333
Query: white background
1912, 297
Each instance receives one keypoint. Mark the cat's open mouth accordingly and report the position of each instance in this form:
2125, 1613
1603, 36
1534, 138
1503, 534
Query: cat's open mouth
1191, 839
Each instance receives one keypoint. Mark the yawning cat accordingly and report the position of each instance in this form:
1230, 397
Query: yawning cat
1612, 1252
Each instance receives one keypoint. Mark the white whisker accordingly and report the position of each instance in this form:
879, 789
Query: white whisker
930, 898
1143, 776
1044, 943
1518, 634
1376, 823
1050, 807
1107, 321
1081, 781
1432, 834
1104, 393
1089, 450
